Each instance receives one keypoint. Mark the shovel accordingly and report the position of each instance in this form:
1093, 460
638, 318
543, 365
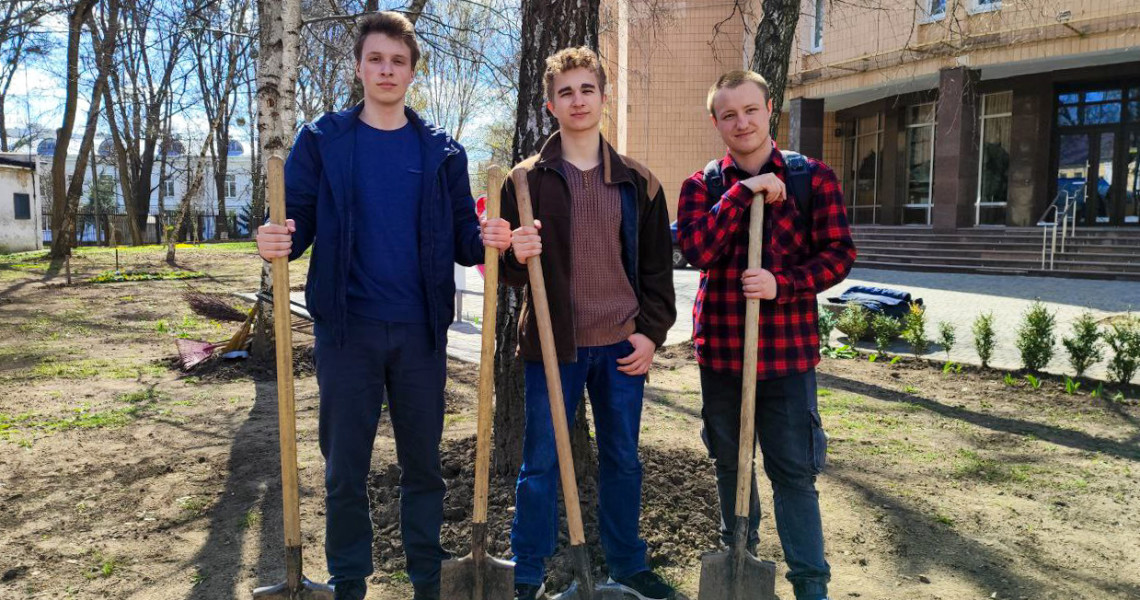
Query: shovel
583, 586
478, 576
295, 586
736, 574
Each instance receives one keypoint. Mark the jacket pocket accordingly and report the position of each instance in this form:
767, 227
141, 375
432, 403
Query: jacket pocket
818, 443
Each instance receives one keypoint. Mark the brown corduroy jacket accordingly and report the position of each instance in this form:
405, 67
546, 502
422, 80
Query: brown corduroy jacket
647, 247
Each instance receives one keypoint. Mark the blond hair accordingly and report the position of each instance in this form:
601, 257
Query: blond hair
733, 79
569, 59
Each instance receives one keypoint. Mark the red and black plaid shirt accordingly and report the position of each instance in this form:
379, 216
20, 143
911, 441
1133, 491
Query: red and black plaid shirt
713, 234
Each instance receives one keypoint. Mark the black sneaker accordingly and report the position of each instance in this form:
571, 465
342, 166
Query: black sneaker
526, 591
645, 585
353, 589
427, 591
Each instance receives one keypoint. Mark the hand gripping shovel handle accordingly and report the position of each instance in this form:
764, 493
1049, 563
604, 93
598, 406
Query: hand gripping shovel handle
745, 450
550, 366
295, 586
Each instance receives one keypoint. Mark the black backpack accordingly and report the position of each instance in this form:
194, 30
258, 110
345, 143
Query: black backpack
798, 178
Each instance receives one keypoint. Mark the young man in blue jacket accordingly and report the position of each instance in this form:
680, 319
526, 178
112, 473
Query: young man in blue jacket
384, 199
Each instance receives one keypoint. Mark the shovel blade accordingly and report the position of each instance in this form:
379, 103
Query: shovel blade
306, 591
720, 579
601, 592
458, 579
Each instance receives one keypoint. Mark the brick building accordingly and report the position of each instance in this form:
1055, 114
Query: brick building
945, 116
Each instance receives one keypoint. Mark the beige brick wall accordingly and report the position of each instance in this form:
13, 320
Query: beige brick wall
884, 41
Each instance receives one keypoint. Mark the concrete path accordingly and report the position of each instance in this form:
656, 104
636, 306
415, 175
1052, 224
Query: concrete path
956, 298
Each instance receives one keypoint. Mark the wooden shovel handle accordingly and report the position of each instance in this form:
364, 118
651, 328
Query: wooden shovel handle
746, 445
487, 353
550, 366
286, 410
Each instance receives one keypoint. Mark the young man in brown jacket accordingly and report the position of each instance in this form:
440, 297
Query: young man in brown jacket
606, 256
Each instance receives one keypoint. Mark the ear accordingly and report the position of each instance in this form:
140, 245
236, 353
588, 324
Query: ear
712, 118
358, 75
549, 106
769, 106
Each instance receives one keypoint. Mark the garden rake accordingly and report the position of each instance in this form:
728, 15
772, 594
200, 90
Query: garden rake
478, 576
295, 586
583, 586
736, 574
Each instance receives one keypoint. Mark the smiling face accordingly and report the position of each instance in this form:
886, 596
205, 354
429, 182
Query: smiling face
385, 69
576, 100
741, 116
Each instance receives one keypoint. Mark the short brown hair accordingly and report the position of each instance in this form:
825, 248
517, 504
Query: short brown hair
391, 24
733, 79
569, 59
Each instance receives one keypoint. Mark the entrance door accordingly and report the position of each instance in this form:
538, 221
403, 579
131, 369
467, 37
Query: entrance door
1086, 175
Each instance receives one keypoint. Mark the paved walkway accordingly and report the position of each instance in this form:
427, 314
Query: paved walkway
956, 298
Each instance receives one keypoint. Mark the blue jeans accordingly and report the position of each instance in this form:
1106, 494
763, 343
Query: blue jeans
393, 362
616, 402
794, 447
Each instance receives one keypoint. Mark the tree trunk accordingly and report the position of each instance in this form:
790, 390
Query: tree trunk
577, 26
79, 14
3, 127
773, 50
276, 84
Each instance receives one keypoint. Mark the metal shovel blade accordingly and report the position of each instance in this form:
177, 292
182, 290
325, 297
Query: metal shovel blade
723, 574
583, 587
462, 578
307, 590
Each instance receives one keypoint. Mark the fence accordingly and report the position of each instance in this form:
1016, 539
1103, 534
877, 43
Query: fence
104, 228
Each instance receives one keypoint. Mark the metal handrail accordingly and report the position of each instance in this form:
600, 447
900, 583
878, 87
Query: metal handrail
1061, 217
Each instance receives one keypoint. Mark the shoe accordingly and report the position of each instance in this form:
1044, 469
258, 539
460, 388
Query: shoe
352, 589
645, 585
526, 591
427, 591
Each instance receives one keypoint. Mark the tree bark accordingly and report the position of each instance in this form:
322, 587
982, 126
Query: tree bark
79, 14
280, 30
773, 50
577, 25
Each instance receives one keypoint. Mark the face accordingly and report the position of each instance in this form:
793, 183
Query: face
741, 115
577, 101
385, 69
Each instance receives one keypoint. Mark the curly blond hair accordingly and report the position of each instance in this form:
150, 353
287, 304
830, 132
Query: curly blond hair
569, 59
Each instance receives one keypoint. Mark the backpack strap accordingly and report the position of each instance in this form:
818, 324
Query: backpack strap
798, 177
714, 181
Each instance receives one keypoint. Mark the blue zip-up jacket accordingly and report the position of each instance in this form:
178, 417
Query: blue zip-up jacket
319, 198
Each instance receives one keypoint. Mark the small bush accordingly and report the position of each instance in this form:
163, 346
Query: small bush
947, 335
827, 321
984, 337
885, 329
1085, 348
914, 329
853, 322
1123, 336
1035, 337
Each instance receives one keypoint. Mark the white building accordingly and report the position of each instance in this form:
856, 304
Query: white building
19, 205
180, 167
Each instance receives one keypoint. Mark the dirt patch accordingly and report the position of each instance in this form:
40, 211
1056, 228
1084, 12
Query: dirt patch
679, 520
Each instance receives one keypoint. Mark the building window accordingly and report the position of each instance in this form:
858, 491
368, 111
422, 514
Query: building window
985, 5
935, 9
169, 192
231, 185
23, 206
817, 27
993, 161
920, 164
861, 180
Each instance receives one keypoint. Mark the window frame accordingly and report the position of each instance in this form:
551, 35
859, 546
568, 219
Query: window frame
817, 25
983, 117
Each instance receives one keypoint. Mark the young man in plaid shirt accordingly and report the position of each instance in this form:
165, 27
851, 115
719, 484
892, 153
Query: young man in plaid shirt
807, 249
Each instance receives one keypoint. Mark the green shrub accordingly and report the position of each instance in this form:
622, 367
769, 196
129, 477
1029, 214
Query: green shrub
1035, 337
1085, 348
827, 321
947, 335
914, 329
1123, 336
885, 329
984, 337
853, 322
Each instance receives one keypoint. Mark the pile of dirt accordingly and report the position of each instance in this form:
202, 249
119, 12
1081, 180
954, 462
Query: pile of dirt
680, 518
